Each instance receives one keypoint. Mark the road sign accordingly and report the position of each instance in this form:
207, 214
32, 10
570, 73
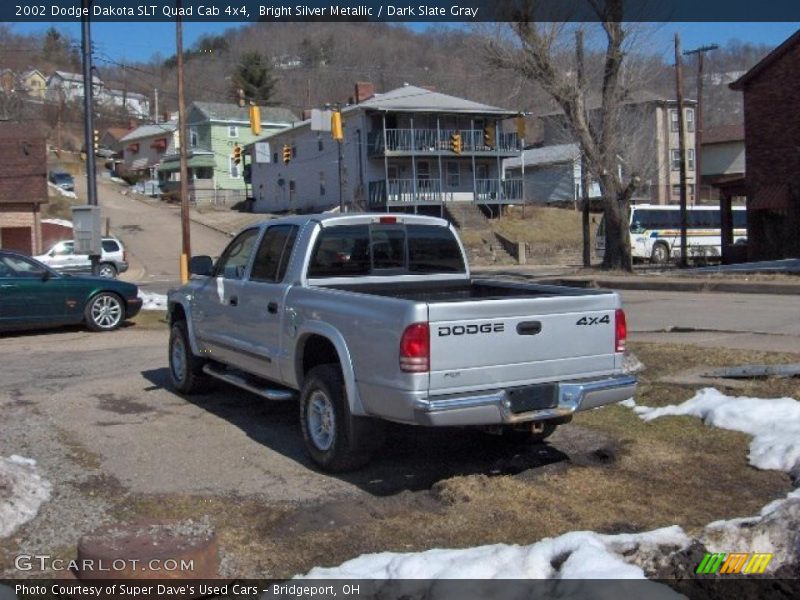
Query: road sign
320, 119
262, 152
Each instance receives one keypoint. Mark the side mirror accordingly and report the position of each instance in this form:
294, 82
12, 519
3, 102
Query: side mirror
45, 275
201, 265
51, 254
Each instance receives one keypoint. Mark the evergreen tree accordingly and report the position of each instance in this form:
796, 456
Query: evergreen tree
253, 75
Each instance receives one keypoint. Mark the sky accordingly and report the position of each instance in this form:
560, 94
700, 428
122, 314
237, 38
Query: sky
132, 42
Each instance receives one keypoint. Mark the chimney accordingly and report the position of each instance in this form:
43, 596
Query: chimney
364, 91
306, 115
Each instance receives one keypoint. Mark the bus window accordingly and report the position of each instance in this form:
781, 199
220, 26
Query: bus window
740, 219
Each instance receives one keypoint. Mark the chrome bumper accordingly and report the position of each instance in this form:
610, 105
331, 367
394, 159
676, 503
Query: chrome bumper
495, 407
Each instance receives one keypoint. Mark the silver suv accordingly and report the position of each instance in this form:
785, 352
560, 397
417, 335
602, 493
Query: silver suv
62, 258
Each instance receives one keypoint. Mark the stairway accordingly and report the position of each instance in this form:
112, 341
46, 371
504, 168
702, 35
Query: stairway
482, 246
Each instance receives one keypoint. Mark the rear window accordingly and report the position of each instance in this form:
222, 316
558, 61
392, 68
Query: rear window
110, 246
357, 250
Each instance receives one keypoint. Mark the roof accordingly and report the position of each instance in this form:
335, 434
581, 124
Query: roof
546, 155
411, 98
150, 130
118, 132
767, 61
594, 101
219, 111
76, 77
30, 72
724, 134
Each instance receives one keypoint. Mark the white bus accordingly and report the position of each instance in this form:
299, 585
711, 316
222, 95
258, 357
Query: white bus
655, 232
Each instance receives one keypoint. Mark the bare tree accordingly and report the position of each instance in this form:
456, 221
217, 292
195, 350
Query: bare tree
534, 54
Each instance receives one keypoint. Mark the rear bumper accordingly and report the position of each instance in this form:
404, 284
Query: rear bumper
132, 307
493, 408
121, 266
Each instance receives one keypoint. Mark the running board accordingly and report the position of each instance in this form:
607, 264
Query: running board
244, 383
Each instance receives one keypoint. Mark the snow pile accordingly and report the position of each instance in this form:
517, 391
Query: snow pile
22, 492
61, 222
61, 191
153, 301
774, 424
574, 555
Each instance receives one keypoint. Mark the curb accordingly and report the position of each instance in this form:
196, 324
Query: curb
728, 287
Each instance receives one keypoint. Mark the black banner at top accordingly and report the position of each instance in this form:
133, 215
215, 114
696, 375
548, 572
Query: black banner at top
397, 10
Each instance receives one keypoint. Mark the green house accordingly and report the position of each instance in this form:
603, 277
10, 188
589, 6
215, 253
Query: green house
215, 130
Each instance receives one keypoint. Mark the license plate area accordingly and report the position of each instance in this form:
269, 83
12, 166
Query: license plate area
534, 397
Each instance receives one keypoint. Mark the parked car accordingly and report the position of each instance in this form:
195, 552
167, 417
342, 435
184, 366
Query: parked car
368, 318
63, 180
33, 296
61, 257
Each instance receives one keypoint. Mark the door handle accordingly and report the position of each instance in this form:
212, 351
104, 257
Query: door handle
234, 301
529, 328
7, 285
272, 307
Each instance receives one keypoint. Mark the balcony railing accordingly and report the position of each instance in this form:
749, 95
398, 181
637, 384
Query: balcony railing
404, 192
421, 141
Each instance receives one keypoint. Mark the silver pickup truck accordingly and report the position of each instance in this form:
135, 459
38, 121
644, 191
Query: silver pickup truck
373, 317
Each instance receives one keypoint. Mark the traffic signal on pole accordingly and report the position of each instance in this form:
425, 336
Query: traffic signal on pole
287, 154
455, 143
96, 142
337, 131
521, 127
488, 136
237, 154
255, 120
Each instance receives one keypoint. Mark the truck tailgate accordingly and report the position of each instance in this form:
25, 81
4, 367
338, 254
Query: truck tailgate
517, 341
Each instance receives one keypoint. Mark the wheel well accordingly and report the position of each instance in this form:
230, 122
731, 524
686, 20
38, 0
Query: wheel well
112, 293
176, 313
317, 350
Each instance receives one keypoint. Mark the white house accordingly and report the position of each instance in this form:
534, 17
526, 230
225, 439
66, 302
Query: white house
70, 86
136, 105
552, 174
144, 147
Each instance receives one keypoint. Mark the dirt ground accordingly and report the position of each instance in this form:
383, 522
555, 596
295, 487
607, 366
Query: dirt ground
607, 471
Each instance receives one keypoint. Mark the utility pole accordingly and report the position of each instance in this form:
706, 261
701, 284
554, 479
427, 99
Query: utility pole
337, 132
587, 252
155, 104
88, 121
186, 246
681, 145
698, 118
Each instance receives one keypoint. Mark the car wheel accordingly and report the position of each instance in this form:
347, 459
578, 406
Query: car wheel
527, 435
104, 312
335, 439
660, 255
185, 369
107, 270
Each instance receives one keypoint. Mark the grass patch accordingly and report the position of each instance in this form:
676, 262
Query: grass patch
546, 230
151, 319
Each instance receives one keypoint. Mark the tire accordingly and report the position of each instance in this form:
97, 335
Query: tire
528, 436
660, 255
185, 369
104, 312
334, 439
107, 270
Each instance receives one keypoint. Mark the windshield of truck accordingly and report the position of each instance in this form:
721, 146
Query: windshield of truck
380, 249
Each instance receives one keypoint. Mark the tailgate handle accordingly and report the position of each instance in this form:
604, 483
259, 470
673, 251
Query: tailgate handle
529, 327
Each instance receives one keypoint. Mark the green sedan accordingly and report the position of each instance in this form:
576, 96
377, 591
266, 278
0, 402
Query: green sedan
33, 296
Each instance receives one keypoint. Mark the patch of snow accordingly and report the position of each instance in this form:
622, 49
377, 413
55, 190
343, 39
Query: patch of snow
22, 492
629, 403
61, 222
574, 555
631, 363
774, 424
65, 193
153, 301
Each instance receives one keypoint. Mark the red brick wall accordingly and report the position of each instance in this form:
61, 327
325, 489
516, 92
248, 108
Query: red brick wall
772, 154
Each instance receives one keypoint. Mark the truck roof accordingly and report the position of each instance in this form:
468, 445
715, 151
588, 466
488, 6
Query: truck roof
329, 219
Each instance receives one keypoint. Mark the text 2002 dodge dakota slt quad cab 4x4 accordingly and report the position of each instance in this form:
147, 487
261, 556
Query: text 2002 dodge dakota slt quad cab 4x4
370, 317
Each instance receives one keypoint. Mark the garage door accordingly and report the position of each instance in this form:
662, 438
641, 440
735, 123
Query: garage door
16, 238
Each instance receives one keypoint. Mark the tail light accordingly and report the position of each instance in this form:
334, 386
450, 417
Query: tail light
620, 331
415, 349
125, 256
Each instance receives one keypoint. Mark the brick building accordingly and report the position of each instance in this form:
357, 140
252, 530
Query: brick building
772, 152
23, 187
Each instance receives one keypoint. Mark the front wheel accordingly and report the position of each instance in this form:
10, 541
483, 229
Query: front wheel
335, 439
104, 312
660, 255
185, 369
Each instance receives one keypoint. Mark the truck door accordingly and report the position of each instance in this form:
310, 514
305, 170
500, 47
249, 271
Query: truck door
262, 303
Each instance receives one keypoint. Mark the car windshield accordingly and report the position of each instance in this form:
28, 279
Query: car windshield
62, 177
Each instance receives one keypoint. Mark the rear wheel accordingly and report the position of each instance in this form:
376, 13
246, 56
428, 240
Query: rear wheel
185, 369
104, 312
335, 439
107, 270
660, 255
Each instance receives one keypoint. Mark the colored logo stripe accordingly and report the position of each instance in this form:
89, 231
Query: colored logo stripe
736, 562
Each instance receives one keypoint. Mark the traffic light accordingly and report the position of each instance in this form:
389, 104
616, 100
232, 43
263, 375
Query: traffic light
237, 154
255, 120
521, 127
455, 143
96, 142
337, 131
287, 154
488, 136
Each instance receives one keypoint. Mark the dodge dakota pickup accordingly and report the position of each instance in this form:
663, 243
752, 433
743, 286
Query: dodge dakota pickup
365, 318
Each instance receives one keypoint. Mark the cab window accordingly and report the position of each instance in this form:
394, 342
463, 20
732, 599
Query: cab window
233, 262
273, 254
